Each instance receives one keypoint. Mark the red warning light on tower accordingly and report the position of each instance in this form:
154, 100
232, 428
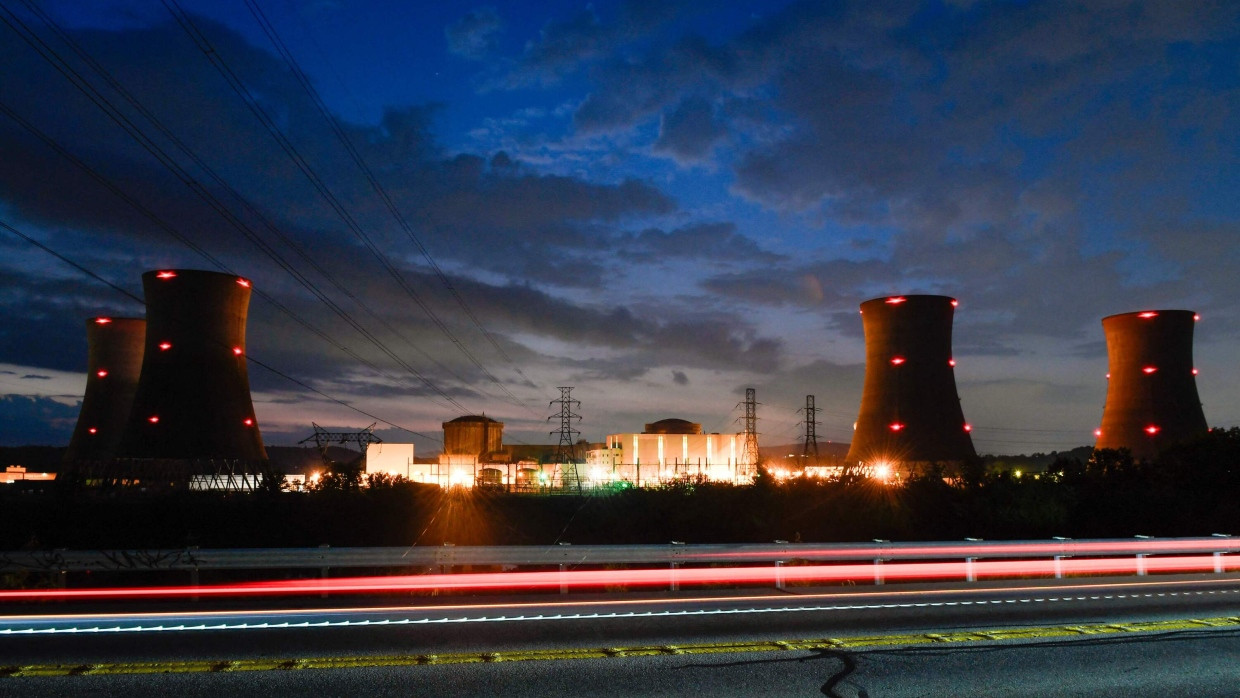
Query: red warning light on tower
101, 373
102, 320
165, 275
1149, 369
238, 351
165, 346
1147, 315
1152, 430
248, 421
897, 360
93, 430
243, 282
896, 426
896, 300
968, 427
153, 419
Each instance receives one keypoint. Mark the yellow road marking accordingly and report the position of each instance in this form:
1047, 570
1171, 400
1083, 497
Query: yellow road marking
291, 663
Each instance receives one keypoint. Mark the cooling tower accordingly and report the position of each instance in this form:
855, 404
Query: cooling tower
1151, 389
910, 412
193, 398
113, 364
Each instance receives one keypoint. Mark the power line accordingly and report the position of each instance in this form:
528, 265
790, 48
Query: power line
238, 86
378, 187
100, 101
250, 358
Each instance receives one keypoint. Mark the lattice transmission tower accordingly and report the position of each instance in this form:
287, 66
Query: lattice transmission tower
566, 449
810, 448
749, 453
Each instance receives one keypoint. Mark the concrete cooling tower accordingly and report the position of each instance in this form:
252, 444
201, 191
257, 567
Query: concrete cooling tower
113, 364
910, 412
193, 397
1152, 388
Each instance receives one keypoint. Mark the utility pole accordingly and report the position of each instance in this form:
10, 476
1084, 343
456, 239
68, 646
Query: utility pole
810, 448
566, 450
749, 454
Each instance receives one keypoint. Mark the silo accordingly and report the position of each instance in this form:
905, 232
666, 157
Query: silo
113, 364
472, 435
910, 411
193, 399
1152, 387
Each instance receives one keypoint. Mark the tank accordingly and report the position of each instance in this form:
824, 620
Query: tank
472, 435
910, 411
1152, 397
193, 398
113, 365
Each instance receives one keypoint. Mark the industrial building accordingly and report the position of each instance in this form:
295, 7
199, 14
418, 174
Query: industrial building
667, 450
910, 411
113, 366
1151, 397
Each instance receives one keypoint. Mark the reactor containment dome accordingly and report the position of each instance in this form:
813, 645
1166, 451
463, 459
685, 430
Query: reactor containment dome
910, 411
1152, 397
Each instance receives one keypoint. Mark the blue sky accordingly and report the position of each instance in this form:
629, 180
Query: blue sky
658, 203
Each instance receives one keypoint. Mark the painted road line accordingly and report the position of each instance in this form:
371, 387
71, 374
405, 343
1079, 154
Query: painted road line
361, 662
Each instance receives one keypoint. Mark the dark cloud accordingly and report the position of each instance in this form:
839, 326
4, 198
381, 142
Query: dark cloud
476, 34
35, 421
719, 242
690, 131
679, 378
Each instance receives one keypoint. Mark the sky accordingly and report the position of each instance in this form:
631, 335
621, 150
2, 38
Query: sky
449, 208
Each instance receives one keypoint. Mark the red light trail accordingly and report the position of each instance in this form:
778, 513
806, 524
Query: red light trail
661, 577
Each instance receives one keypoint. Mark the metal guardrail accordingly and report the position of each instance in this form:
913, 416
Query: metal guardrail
447, 557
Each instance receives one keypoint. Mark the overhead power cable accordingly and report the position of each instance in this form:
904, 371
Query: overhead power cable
97, 98
200, 40
176, 234
251, 359
291, 61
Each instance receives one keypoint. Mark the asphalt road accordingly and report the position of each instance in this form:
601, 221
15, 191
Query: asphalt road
1073, 637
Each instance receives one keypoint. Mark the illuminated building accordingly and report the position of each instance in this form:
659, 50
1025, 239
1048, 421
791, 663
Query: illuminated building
667, 450
192, 416
910, 411
1151, 388
113, 364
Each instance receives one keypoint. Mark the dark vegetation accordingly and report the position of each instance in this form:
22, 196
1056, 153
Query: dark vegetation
1192, 489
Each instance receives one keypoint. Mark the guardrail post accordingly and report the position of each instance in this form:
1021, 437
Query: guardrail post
1140, 564
1218, 563
675, 583
323, 571
878, 571
779, 574
563, 579
1059, 567
969, 575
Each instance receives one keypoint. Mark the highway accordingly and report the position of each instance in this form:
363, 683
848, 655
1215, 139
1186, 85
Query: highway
1085, 636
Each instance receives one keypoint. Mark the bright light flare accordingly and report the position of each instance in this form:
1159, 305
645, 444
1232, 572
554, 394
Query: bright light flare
896, 426
1152, 429
896, 300
165, 346
102, 320
897, 360
1147, 314
1148, 370
968, 427
101, 373
165, 275
243, 282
